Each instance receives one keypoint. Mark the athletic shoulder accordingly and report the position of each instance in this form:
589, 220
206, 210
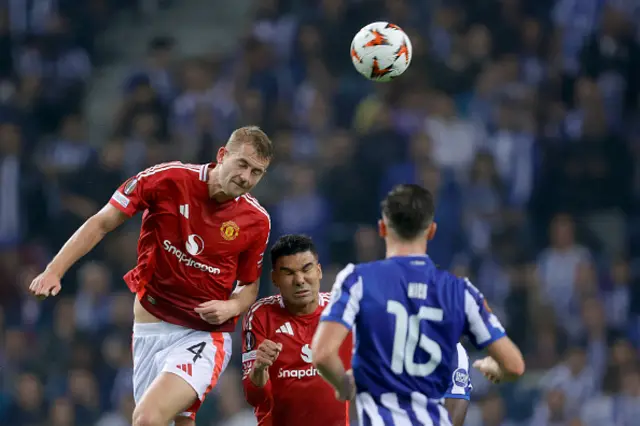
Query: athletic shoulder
260, 214
175, 170
259, 313
171, 176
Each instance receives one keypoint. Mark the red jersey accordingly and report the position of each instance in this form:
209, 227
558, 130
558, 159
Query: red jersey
192, 249
295, 393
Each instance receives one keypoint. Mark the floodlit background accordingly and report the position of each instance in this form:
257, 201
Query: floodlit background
521, 115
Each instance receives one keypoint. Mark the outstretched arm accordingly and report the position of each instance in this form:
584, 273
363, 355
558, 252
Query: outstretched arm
326, 356
86, 238
80, 243
337, 321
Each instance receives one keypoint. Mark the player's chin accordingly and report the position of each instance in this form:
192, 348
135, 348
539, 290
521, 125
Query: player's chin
233, 192
303, 297
236, 190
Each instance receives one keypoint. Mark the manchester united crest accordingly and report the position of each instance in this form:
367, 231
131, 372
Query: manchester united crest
229, 230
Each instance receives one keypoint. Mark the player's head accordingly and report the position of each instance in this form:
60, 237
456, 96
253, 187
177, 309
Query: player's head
407, 215
296, 270
243, 161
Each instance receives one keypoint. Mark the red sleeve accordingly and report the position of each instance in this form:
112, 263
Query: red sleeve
253, 333
250, 262
142, 190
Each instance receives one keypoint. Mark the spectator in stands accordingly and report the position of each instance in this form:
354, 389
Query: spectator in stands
570, 384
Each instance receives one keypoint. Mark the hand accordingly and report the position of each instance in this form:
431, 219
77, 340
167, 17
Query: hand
44, 285
489, 369
266, 354
218, 311
348, 390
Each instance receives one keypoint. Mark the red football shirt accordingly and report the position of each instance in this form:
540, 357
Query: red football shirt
295, 394
192, 249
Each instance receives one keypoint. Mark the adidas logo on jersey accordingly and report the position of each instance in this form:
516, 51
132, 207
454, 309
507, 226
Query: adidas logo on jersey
285, 329
184, 210
187, 368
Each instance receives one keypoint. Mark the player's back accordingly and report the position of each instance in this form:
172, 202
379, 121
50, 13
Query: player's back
406, 304
408, 318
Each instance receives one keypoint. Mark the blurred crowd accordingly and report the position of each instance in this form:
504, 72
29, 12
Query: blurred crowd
520, 115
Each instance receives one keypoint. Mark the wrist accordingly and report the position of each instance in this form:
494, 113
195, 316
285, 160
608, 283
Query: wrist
259, 376
236, 308
53, 270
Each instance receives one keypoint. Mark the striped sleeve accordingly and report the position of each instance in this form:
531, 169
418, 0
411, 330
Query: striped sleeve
250, 262
481, 325
460, 386
141, 190
346, 295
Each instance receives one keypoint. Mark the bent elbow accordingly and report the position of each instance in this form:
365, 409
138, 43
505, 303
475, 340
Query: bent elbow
516, 368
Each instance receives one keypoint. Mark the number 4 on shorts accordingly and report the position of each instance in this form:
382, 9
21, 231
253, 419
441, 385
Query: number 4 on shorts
196, 350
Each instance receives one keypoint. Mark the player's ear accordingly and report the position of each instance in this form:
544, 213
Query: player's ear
273, 279
319, 270
431, 231
221, 153
382, 228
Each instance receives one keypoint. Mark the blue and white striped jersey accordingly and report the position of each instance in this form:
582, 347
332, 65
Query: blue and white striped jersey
460, 381
408, 318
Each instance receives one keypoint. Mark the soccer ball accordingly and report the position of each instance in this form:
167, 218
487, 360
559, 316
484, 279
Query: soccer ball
381, 51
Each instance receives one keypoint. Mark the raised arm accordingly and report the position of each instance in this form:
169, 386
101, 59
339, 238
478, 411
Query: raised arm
134, 195
80, 243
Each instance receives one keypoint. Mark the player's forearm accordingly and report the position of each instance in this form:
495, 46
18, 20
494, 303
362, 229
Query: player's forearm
331, 369
244, 296
255, 394
259, 378
83, 240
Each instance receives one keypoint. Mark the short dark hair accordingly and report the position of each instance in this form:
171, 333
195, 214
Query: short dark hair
291, 244
409, 210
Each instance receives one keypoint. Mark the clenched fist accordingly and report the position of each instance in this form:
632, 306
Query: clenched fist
44, 285
266, 354
490, 369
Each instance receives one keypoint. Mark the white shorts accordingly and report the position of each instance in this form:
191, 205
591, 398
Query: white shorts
199, 357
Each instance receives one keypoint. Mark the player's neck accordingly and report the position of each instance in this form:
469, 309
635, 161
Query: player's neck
414, 248
215, 189
307, 309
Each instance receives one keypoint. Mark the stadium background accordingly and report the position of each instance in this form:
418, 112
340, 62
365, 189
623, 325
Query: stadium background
521, 115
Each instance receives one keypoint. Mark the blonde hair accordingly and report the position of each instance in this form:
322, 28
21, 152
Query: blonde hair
254, 136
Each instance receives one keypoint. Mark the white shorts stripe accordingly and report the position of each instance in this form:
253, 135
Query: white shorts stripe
367, 407
419, 407
398, 415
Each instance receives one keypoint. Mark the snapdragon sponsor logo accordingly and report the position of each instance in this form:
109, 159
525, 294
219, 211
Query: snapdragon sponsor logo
306, 355
187, 260
297, 374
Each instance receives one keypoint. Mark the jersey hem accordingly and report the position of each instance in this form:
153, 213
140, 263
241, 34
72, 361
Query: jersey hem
454, 396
